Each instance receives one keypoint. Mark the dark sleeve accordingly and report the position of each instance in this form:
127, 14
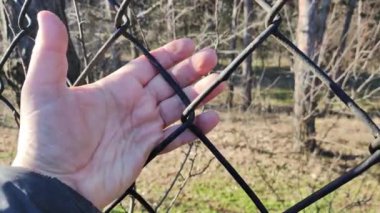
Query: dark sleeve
25, 191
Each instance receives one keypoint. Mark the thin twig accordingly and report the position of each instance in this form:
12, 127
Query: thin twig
184, 183
178, 174
81, 34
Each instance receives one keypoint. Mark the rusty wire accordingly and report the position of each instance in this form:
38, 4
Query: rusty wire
272, 23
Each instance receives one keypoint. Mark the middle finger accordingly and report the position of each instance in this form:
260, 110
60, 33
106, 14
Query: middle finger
185, 73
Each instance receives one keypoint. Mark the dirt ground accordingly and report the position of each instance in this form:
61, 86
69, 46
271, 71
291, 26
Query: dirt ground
262, 150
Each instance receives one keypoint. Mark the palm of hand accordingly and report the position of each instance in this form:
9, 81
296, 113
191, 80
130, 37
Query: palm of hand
96, 138
107, 138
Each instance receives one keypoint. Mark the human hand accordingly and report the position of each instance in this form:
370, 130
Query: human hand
97, 137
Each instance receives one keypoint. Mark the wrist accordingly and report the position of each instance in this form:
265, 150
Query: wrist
36, 191
70, 180
31, 167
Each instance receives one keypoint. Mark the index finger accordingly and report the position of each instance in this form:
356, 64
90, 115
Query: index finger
167, 55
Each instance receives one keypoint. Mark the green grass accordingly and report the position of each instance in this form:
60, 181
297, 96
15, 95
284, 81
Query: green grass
7, 155
278, 96
118, 209
221, 194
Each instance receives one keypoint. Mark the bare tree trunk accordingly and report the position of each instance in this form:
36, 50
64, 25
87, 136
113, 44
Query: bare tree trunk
109, 9
343, 36
320, 49
347, 24
247, 65
133, 31
170, 20
3, 29
322, 20
304, 120
230, 96
16, 73
337, 70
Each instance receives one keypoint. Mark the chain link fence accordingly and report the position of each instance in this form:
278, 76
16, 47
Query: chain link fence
272, 22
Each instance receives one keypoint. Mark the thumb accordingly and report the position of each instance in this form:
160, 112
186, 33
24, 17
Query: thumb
48, 64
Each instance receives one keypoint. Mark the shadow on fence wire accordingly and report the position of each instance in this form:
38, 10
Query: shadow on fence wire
272, 22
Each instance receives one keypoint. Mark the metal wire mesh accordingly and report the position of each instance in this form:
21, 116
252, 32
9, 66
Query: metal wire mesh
272, 21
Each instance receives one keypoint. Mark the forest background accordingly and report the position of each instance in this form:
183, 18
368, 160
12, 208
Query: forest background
281, 127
